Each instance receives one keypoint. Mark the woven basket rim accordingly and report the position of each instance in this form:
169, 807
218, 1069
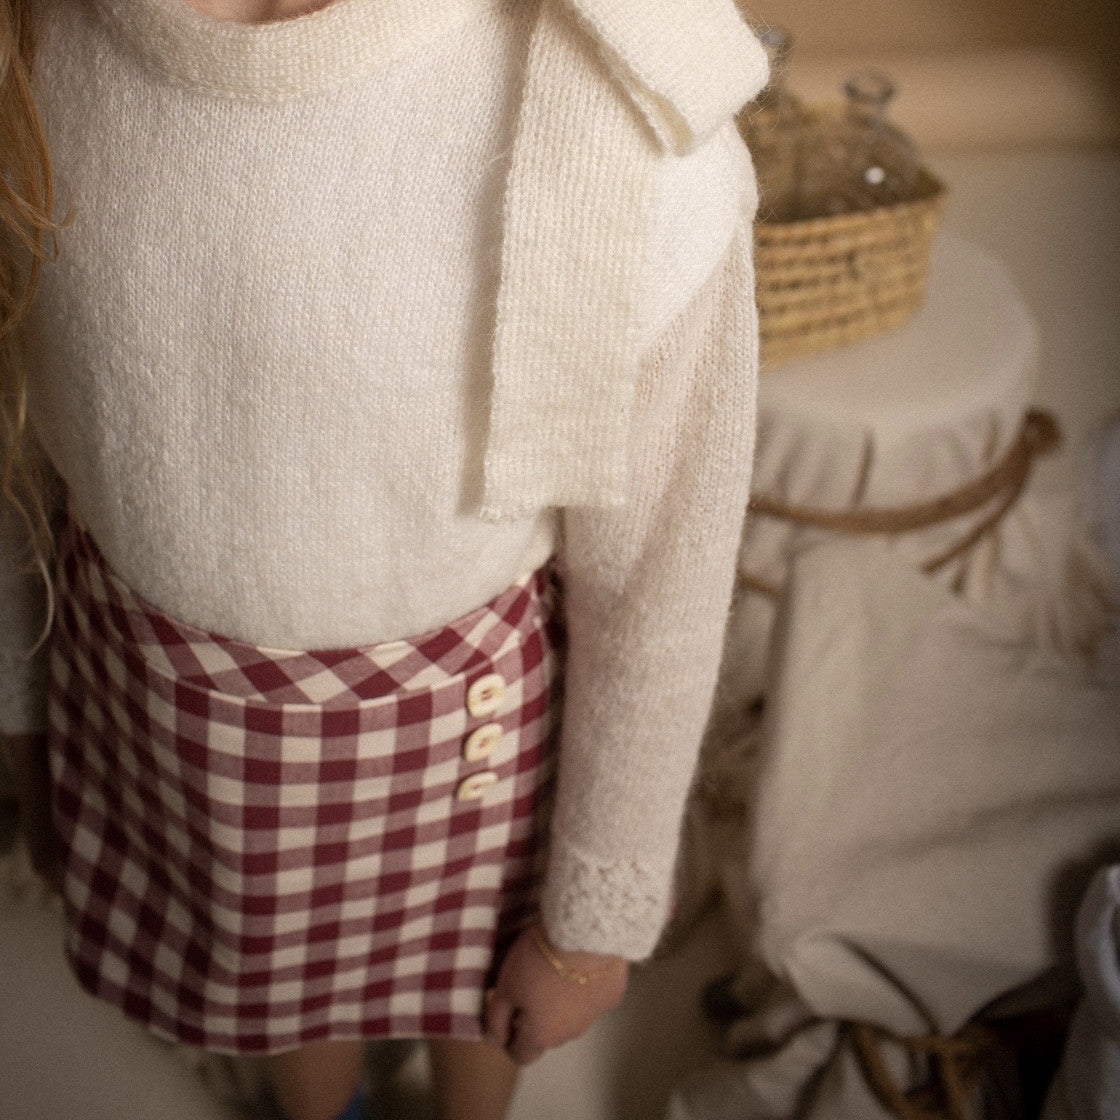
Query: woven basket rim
929, 194
834, 279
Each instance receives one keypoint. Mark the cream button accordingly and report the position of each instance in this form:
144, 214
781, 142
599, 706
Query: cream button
473, 786
485, 696
482, 741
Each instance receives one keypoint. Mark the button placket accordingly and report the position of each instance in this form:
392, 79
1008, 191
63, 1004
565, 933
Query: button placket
482, 742
484, 697
473, 786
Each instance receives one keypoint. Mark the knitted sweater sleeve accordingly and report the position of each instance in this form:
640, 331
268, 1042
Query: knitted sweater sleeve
647, 589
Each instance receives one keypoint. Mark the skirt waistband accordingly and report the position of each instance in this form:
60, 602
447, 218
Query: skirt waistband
194, 657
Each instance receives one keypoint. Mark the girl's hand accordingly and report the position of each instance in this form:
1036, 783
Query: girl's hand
27, 757
534, 1006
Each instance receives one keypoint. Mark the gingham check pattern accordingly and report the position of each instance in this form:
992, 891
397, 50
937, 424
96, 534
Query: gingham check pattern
264, 848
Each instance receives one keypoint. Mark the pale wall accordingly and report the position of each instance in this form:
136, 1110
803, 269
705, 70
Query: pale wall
971, 73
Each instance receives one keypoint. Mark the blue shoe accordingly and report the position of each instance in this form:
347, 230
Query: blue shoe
354, 1110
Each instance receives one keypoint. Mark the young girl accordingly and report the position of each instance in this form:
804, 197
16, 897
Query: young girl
372, 324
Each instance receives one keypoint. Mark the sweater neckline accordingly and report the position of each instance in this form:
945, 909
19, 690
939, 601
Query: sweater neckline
318, 50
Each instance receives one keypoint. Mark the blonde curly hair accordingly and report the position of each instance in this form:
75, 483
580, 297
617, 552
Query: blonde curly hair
27, 239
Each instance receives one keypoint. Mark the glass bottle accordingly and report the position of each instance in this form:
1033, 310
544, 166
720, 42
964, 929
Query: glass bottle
883, 164
856, 160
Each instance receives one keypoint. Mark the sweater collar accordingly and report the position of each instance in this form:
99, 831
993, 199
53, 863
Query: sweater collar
687, 65
283, 58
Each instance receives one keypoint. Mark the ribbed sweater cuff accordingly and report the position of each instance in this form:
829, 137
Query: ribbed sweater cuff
599, 906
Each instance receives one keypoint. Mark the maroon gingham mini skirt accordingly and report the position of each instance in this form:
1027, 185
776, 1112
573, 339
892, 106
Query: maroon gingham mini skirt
269, 848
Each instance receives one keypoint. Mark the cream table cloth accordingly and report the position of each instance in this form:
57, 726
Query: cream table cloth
897, 419
933, 794
934, 755
905, 417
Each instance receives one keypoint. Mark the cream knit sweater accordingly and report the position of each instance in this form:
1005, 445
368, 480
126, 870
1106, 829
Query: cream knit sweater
262, 366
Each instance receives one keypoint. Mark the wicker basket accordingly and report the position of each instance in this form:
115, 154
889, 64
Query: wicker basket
824, 282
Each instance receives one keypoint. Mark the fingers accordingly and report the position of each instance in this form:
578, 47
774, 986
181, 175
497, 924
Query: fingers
511, 1029
498, 1019
534, 1006
523, 1048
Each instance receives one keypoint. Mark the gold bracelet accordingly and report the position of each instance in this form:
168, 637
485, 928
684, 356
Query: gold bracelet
558, 965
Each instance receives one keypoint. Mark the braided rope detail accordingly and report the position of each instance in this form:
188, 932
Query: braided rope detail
954, 1063
1038, 435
